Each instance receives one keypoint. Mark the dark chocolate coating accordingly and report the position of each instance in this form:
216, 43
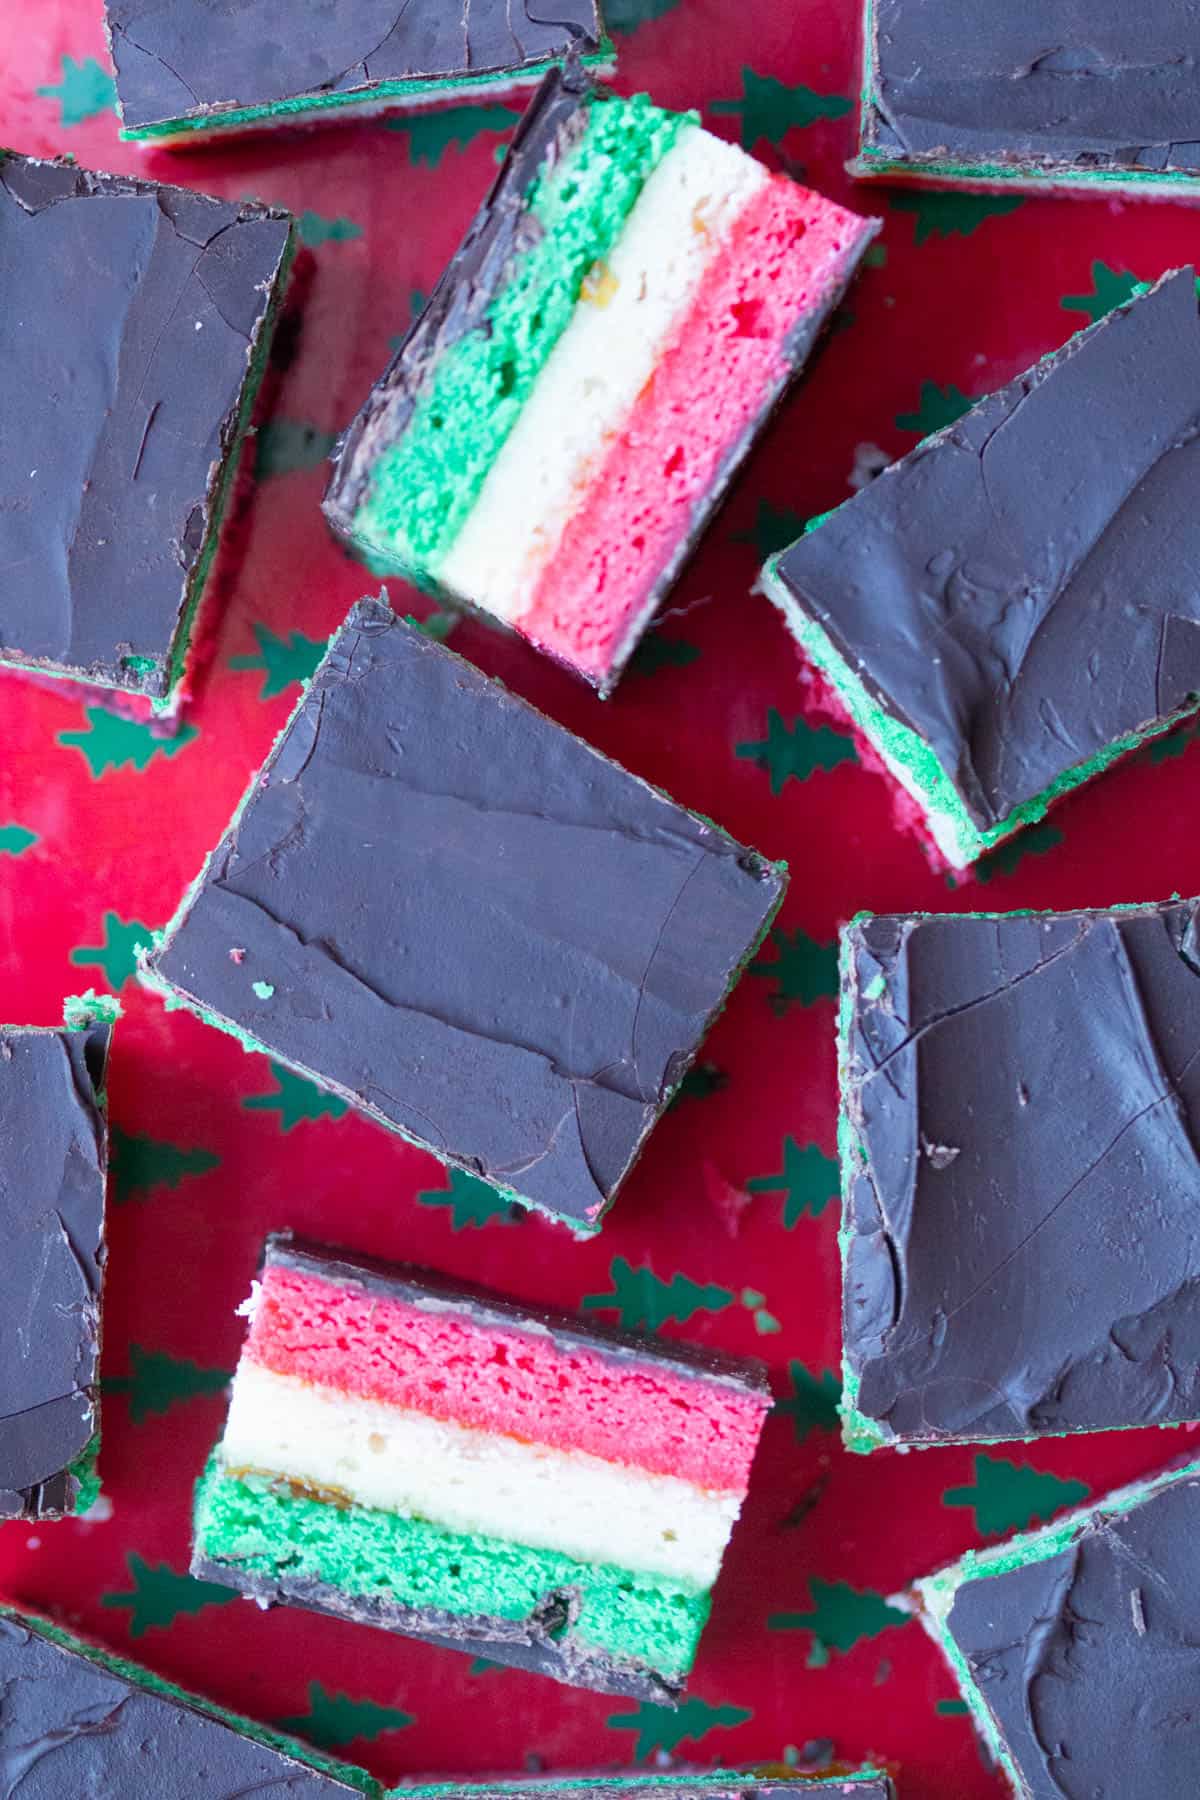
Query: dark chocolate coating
418, 1287
1025, 1249
71, 1727
1022, 589
178, 59
1087, 1661
132, 311
53, 1157
468, 922
1085, 84
501, 230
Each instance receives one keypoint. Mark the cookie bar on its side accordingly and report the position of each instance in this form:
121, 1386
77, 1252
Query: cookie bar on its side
1016, 603
1020, 1144
628, 306
468, 923
414, 1455
138, 319
724, 1784
53, 1164
1075, 1646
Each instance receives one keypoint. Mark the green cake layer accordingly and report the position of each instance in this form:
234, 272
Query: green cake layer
250, 1525
424, 485
418, 94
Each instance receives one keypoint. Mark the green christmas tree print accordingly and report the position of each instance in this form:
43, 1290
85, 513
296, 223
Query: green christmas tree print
803, 970
295, 1099
938, 408
643, 1301
796, 751
774, 528
316, 230
15, 840
110, 742
284, 661
471, 1202
656, 652
624, 16
157, 1382
1007, 1496
85, 91
334, 1720
431, 134
1110, 287
945, 213
808, 1180
812, 1404
769, 109
284, 445
662, 1729
840, 1617
161, 1594
1035, 841
117, 955
141, 1164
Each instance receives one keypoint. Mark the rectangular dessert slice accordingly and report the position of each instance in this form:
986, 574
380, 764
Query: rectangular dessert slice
468, 923
722, 1784
53, 1164
1016, 603
186, 71
78, 1721
429, 1459
138, 321
1032, 94
627, 307
1074, 1646
1020, 1143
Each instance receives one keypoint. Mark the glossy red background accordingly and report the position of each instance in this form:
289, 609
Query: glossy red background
968, 308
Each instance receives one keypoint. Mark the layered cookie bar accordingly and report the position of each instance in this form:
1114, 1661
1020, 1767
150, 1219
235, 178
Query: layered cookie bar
429, 1459
53, 1163
723, 1784
76, 1720
1074, 1646
1033, 94
1015, 604
187, 70
629, 304
138, 318
460, 918
1019, 1133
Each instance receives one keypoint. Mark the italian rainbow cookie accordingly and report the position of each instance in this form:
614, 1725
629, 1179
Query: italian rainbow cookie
722, 1784
628, 305
426, 1458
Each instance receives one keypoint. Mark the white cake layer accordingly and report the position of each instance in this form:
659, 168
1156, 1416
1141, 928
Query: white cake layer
593, 376
475, 1481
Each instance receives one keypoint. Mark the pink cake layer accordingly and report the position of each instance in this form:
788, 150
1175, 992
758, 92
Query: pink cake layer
725, 362
526, 1386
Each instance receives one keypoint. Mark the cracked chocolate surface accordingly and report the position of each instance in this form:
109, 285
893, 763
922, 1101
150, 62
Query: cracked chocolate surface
180, 59
1086, 84
71, 1726
1021, 590
53, 1156
468, 922
132, 313
1024, 1252
1087, 1660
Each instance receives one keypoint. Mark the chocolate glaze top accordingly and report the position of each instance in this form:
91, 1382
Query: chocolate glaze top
468, 921
130, 311
52, 1169
1022, 588
186, 58
1087, 1660
1089, 83
1025, 1248
73, 1727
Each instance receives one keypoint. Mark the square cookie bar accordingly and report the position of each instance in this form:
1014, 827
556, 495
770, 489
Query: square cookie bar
187, 69
138, 318
427, 1458
1075, 1646
1020, 1116
725, 1784
449, 911
78, 1721
626, 309
53, 1164
1016, 603
1032, 94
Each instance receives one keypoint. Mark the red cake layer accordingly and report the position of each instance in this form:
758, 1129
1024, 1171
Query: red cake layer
449, 1366
725, 362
